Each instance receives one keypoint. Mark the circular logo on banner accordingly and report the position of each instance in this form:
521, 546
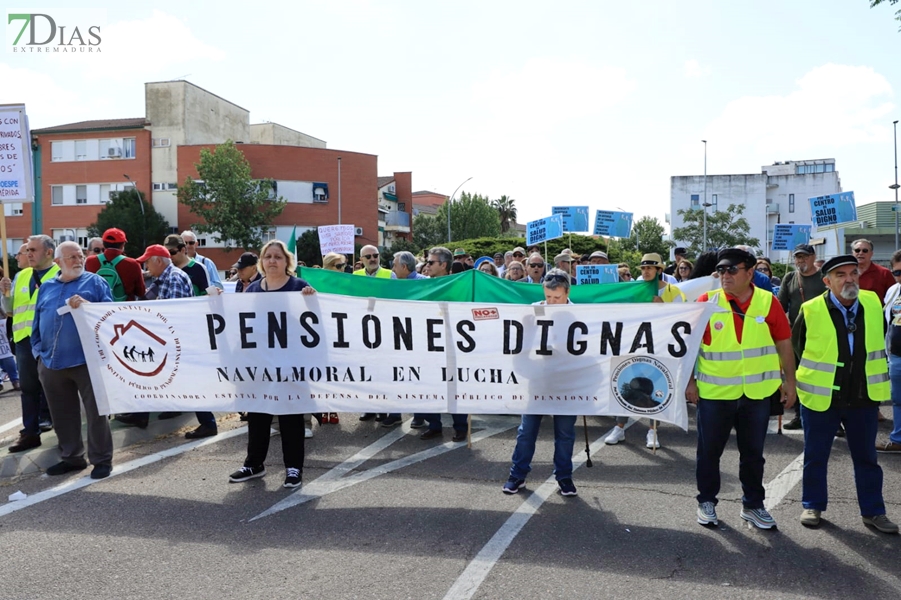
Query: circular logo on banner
146, 355
642, 384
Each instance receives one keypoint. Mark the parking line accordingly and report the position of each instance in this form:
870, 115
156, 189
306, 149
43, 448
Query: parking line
10, 425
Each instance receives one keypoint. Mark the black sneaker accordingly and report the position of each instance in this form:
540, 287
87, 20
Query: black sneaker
567, 487
367, 416
61, 468
202, 431
392, 421
292, 478
379, 417
418, 424
101, 471
794, 424
513, 485
247, 473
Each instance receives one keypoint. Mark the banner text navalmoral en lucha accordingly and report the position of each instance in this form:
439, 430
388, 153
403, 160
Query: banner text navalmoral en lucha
290, 353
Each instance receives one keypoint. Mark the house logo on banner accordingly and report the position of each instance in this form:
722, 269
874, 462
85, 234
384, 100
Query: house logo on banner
145, 355
641, 384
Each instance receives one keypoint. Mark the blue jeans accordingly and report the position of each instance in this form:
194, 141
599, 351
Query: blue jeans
716, 418
34, 404
8, 364
564, 440
434, 421
206, 418
894, 371
860, 432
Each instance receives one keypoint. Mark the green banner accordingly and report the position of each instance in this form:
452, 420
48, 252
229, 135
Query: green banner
469, 286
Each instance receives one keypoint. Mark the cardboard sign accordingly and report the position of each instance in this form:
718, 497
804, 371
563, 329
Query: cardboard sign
588, 274
575, 218
833, 210
786, 237
613, 223
336, 238
548, 228
16, 180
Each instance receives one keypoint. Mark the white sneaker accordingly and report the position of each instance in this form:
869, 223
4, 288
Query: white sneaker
616, 436
307, 432
653, 441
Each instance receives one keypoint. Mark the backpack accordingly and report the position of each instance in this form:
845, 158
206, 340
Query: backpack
108, 271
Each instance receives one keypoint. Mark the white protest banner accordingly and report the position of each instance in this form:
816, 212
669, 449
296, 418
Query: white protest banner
16, 181
588, 274
336, 238
289, 353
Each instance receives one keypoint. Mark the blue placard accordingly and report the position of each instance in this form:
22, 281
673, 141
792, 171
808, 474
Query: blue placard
833, 209
542, 230
587, 274
575, 218
786, 237
612, 223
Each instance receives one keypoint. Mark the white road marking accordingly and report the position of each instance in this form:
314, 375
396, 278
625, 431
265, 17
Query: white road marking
334, 481
10, 425
77, 484
476, 571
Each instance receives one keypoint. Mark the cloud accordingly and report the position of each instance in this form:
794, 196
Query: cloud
544, 93
144, 49
832, 106
694, 70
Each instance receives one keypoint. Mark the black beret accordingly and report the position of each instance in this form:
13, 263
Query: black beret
838, 261
735, 256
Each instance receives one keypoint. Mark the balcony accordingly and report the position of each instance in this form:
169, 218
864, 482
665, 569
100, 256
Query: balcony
398, 221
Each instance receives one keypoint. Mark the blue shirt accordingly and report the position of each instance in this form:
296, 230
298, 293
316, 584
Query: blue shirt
415, 275
211, 270
54, 338
172, 283
853, 309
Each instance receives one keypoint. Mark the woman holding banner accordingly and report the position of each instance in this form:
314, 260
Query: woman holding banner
277, 266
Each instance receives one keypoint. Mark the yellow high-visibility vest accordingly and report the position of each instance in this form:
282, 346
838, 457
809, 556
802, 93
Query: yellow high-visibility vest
382, 273
816, 372
24, 302
728, 370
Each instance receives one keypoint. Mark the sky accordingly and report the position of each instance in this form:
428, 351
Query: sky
592, 103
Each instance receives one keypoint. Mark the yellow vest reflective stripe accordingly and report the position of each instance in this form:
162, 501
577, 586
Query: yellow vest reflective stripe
382, 273
728, 370
816, 371
24, 302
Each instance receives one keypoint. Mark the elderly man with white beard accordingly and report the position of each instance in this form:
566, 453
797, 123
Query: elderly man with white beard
842, 377
62, 368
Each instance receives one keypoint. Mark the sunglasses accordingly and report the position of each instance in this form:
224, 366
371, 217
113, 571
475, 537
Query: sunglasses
173, 252
96, 250
520, 269
556, 277
536, 265
861, 250
341, 266
731, 270
685, 268
431, 262
190, 243
368, 256
896, 273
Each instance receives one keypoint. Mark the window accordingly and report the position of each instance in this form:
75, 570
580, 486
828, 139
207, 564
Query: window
695, 200
128, 145
402, 207
81, 149
172, 186
56, 151
56, 194
13, 209
160, 142
81, 194
791, 203
713, 201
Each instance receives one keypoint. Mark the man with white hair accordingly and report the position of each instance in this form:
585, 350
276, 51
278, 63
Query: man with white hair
190, 240
405, 266
61, 364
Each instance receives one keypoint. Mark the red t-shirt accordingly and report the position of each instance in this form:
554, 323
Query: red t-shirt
128, 269
775, 319
877, 279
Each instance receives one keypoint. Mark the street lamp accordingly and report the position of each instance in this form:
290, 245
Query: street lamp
143, 216
895, 187
704, 244
449, 202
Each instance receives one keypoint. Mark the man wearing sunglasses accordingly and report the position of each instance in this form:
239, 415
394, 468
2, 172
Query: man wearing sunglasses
129, 271
369, 256
738, 370
873, 277
842, 377
95, 246
212, 273
534, 268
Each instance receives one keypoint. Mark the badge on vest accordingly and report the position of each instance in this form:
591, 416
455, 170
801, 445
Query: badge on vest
760, 320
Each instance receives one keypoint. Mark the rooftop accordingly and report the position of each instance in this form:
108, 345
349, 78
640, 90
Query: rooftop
101, 125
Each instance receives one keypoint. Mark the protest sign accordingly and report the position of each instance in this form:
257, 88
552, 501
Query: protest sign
542, 230
786, 236
613, 223
575, 218
833, 209
336, 238
294, 353
16, 181
589, 274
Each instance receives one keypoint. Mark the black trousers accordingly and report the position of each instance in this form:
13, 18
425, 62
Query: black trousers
292, 430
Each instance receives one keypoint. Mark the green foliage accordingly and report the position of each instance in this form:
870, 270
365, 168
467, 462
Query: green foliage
234, 207
487, 246
398, 246
506, 212
308, 248
124, 212
874, 3
472, 216
725, 228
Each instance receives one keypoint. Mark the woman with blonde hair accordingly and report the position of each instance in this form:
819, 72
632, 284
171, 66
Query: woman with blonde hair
489, 268
334, 262
515, 271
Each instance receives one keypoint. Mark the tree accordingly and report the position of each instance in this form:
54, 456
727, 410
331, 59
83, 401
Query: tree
874, 3
725, 228
647, 236
506, 212
472, 216
307, 248
141, 228
234, 207
428, 231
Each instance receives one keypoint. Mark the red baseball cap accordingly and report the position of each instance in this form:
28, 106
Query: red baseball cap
114, 236
154, 250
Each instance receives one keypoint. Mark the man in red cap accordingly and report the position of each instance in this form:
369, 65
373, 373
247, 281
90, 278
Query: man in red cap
122, 273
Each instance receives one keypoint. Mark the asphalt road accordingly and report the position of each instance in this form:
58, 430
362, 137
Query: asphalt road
383, 514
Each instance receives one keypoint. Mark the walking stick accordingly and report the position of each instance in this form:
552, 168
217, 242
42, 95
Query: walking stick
587, 450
